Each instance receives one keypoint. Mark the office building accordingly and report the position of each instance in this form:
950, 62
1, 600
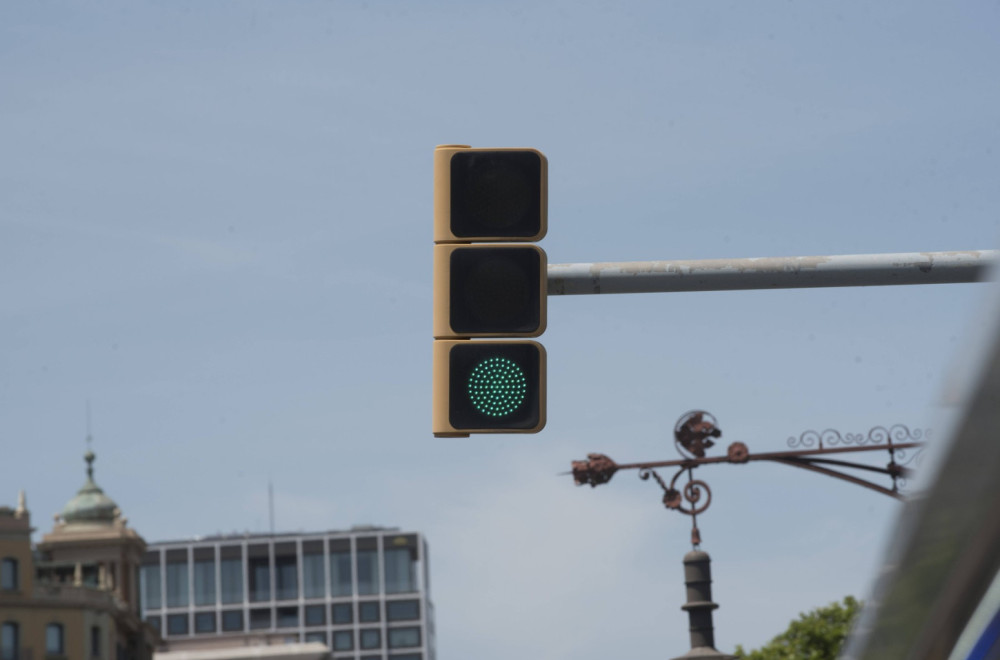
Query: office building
363, 592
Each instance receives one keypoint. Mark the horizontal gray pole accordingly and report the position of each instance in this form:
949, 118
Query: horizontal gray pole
771, 272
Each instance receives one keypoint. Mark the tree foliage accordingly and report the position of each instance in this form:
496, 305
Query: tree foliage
816, 635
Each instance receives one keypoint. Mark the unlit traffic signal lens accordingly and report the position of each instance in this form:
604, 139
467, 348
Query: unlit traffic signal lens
496, 290
496, 193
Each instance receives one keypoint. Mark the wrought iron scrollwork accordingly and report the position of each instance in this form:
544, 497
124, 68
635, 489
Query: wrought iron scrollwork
675, 498
877, 435
817, 451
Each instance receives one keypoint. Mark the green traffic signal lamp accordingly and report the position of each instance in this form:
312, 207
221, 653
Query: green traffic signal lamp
488, 387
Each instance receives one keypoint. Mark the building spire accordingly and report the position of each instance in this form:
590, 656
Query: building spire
22, 505
89, 456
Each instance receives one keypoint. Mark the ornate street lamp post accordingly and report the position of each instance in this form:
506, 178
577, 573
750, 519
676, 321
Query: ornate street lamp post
695, 433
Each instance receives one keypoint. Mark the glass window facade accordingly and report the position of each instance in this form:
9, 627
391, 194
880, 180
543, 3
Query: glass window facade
295, 585
150, 586
368, 611
400, 570
343, 640
177, 584
156, 622
402, 610
288, 617
368, 573
316, 637
403, 637
204, 622
231, 576
340, 573
371, 638
232, 620
315, 615
286, 577
342, 613
313, 577
177, 624
260, 618
260, 574
204, 582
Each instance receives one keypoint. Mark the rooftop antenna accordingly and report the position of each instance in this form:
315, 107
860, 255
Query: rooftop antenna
88, 425
270, 503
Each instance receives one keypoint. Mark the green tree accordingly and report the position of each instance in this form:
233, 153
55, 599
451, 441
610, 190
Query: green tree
817, 635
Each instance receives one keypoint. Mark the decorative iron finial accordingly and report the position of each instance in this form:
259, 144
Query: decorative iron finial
692, 433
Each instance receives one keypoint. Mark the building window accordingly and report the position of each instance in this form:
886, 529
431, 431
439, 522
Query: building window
316, 637
343, 640
231, 572
177, 584
149, 584
340, 573
288, 617
371, 638
204, 582
286, 577
260, 619
400, 570
55, 640
95, 641
368, 611
342, 613
10, 641
8, 574
315, 615
313, 580
177, 624
156, 622
368, 577
232, 620
402, 610
406, 656
403, 637
260, 573
204, 622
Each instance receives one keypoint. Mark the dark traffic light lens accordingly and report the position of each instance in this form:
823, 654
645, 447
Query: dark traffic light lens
495, 290
494, 385
496, 193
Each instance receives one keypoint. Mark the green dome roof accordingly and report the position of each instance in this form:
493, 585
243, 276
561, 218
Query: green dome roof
90, 503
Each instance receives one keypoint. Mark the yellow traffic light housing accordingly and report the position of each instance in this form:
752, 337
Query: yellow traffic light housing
489, 282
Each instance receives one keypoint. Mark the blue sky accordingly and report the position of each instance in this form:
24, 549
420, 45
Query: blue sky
215, 225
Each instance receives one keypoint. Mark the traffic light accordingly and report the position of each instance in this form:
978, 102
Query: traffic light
489, 282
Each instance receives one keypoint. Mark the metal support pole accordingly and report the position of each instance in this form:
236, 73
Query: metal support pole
771, 272
699, 606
